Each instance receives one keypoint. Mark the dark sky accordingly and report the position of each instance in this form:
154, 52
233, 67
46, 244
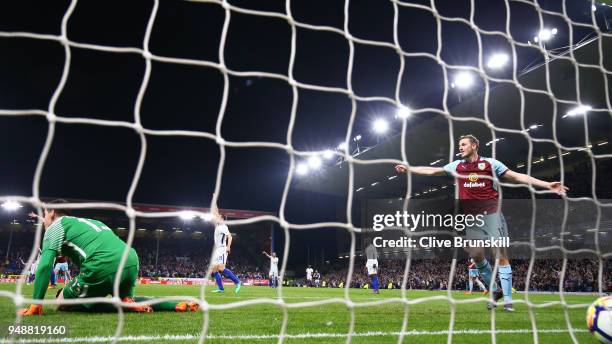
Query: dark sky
95, 162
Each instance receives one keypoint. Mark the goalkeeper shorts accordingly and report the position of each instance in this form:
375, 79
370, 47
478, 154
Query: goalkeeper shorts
83, 287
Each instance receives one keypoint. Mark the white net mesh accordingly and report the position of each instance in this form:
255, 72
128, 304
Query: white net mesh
229, 9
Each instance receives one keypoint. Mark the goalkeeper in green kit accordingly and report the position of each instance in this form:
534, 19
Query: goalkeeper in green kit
96, 250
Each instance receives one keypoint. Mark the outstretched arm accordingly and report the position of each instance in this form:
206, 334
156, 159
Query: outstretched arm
266, 254
521, 178
421, 170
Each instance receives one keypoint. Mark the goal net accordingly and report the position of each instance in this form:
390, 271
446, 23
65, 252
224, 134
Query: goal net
529, 78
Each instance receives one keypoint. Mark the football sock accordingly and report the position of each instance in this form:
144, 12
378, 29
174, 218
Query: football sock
505, 276
375, 282
162, 306
487, 274
471, 283
228, 273
219, 281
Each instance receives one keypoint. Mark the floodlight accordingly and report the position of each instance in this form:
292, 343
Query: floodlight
11, 205
381, 126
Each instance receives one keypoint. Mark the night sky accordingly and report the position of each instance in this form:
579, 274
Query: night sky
98, 163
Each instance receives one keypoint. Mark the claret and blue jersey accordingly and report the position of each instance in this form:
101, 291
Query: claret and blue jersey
475, 181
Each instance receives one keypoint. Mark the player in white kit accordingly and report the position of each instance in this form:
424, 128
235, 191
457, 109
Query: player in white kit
273, 274
222, 249
372, 266
309, 272
33, 267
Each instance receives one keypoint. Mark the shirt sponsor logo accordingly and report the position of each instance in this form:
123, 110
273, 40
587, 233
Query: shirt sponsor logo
474, 185
473, 177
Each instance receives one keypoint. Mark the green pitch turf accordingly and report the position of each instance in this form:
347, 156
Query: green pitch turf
428, 318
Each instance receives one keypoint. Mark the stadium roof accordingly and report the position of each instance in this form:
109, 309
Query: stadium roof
117, 219
428, 143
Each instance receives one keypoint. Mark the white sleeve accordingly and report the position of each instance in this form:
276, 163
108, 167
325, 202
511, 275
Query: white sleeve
224, 229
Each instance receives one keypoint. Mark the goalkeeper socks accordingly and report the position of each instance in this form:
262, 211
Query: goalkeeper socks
487, 274
375, 282
471, 283
228, 273
505, 276
169, 306
52, 277
218, 279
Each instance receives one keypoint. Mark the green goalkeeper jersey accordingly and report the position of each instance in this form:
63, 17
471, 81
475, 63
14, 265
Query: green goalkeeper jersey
90, 244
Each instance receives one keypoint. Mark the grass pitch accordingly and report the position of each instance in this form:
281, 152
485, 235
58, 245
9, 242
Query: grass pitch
429, 318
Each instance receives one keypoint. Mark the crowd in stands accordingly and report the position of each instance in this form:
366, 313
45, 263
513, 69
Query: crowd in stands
580, 275
546, 274
190, 264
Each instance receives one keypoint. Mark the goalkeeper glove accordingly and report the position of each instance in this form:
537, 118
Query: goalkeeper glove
32, 310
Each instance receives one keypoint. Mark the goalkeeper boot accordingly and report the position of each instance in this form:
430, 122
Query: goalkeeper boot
32, 310
187, 307
138, 309
218, 291
238, 286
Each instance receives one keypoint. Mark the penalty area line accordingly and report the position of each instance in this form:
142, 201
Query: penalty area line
171, 337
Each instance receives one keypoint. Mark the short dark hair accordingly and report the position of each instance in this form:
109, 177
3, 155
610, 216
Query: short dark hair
60, 211
472, 138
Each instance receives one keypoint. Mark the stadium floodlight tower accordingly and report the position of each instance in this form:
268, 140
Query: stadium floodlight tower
544, 36
578, 110
380, 127
187, 215
357, 149
462, 81
314, 162
11, 206
497, 60
328, 154
301, 169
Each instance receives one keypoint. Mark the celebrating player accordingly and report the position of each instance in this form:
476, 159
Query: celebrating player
273, 269
473, 276
372, 266
309, 272
483, 194
33, 267
97, 251
222, 249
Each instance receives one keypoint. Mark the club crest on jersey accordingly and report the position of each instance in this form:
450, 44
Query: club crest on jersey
481, 166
